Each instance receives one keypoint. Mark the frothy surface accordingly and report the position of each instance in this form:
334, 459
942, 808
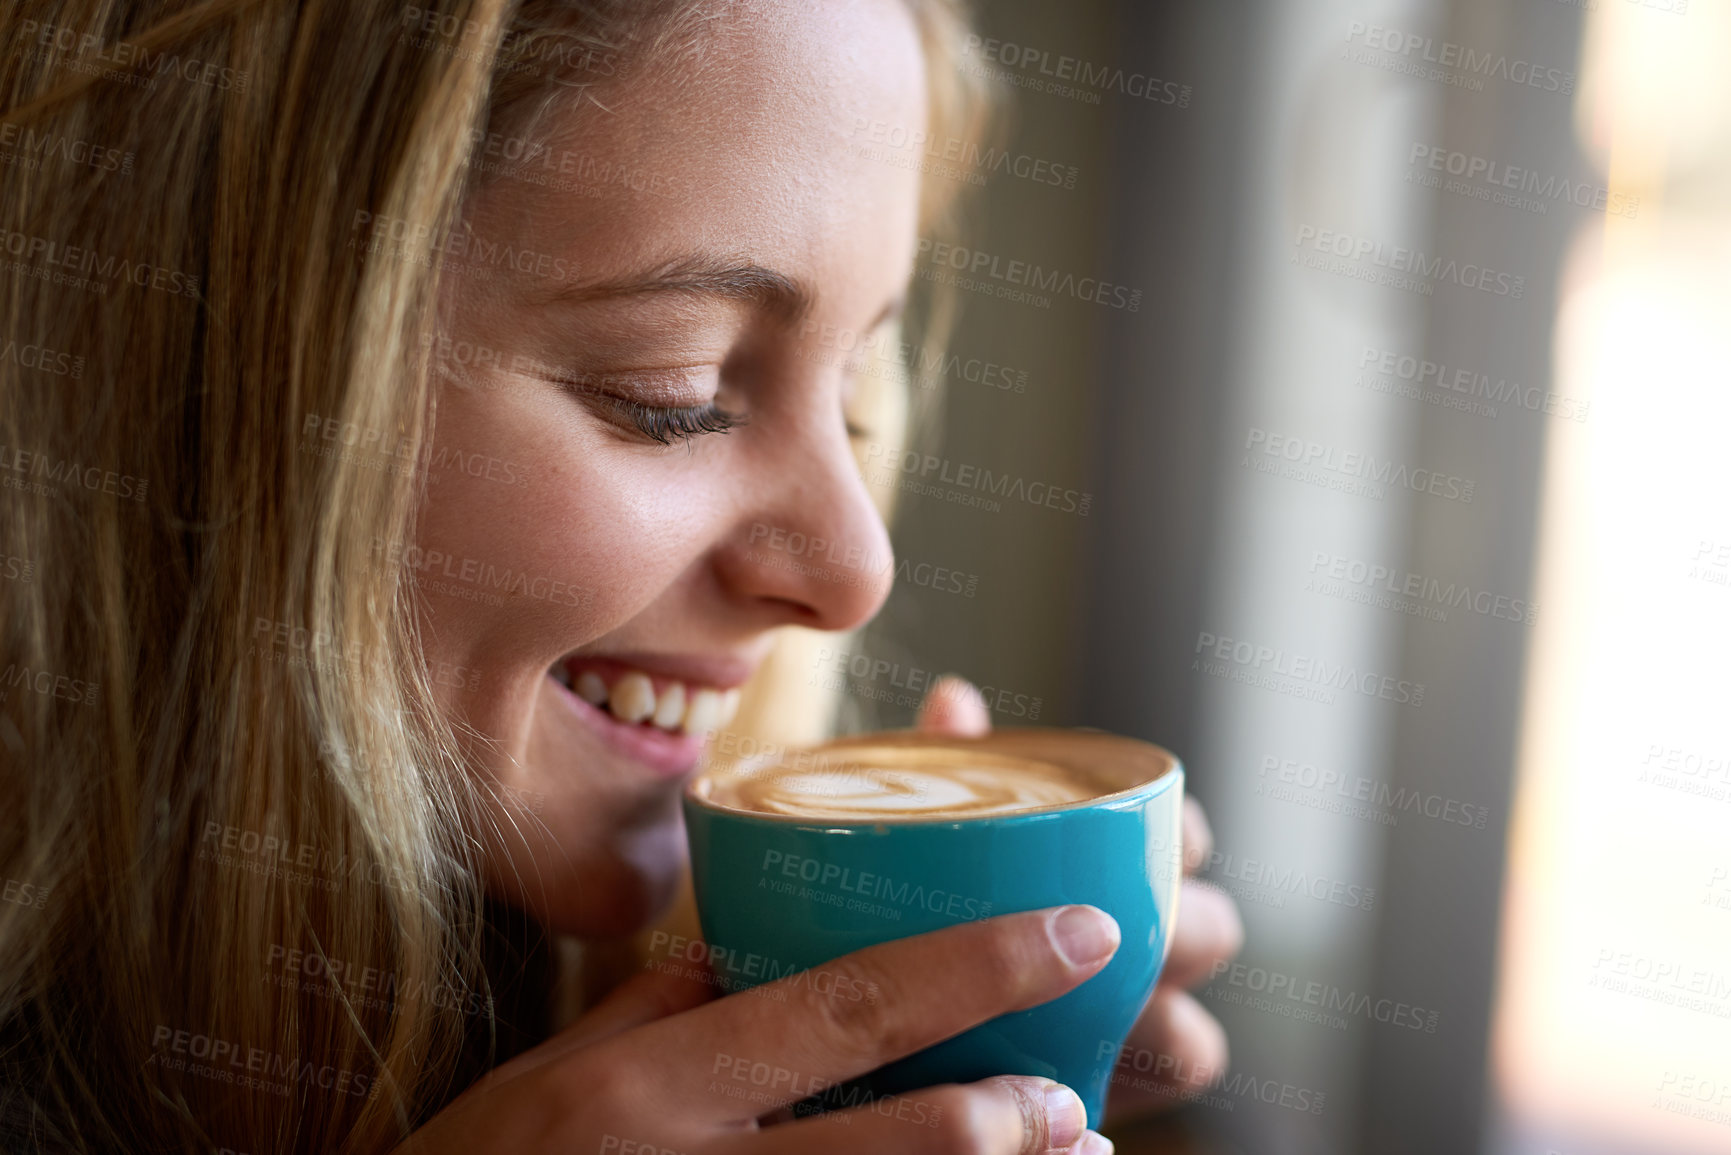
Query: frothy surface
887, 783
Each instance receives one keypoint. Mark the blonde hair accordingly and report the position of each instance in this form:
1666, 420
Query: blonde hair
217, 734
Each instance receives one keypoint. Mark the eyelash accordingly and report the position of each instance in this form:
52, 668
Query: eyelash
682, 423
664, 424
667, 424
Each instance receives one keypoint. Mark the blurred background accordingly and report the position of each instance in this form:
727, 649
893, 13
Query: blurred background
1388, 482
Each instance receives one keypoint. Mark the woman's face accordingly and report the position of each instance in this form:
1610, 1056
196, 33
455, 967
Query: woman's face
723, 217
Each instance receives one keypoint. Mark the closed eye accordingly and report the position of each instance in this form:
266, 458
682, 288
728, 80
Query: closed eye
684, 423
663, 424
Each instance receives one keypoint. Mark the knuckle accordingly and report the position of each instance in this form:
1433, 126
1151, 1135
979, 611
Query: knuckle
864, 1026
1004, 960
989, 972
1034, 1133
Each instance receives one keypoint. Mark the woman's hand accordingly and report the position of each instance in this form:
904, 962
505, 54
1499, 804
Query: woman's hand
661, 1067
1176, 1047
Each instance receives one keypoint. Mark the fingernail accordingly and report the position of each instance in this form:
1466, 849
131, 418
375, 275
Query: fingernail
1066, 1118
1084, 934
1093, 1143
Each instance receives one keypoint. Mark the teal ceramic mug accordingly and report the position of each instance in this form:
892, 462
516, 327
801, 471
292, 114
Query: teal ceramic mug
798, 891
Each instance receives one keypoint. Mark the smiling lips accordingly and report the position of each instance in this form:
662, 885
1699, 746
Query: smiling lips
632, 697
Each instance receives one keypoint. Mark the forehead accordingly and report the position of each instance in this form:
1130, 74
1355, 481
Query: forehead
748, 142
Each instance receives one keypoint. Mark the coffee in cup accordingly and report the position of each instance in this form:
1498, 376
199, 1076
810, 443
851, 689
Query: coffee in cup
803, 856
893, 783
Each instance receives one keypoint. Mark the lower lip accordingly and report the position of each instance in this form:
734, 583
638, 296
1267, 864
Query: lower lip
667, 755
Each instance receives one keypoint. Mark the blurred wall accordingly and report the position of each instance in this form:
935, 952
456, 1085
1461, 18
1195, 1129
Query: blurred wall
1004, 616
1259, 195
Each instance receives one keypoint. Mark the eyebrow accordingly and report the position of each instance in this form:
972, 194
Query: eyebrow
775, 294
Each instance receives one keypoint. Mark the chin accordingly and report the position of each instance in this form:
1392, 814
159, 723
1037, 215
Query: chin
616, 892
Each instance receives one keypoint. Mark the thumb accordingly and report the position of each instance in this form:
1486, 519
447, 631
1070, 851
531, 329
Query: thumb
954, 706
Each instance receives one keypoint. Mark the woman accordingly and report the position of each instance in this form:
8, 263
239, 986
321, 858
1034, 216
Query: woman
435, 364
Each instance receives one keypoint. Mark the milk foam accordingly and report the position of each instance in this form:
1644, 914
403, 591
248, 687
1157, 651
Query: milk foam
887, 783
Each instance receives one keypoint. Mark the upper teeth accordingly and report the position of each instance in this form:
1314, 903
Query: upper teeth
632, 698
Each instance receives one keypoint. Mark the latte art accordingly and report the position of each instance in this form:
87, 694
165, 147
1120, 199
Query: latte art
887, 783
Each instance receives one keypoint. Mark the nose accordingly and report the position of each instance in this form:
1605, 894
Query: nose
812, 549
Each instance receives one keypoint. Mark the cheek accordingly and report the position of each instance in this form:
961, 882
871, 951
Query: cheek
533, 539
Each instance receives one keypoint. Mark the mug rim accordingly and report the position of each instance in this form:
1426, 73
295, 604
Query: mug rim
995, 742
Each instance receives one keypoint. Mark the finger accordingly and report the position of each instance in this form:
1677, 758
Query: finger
1198, 836
790, 1039
1175, 1050
1208, 932
954, 706
1006, 1115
